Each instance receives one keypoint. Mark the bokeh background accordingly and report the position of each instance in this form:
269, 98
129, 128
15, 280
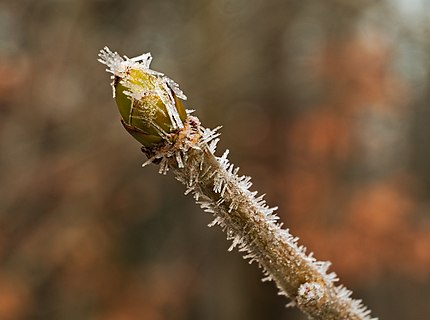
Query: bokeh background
324, 103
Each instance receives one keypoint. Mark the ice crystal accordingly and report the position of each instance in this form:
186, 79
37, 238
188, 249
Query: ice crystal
236, 241
310, 293
267, 278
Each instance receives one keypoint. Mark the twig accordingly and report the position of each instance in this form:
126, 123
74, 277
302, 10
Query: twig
187, 148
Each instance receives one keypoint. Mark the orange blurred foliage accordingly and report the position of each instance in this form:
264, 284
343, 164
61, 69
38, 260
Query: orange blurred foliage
356, 215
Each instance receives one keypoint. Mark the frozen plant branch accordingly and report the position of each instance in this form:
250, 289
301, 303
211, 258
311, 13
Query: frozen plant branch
152, 112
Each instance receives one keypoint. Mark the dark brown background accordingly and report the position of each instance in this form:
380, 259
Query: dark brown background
323, 103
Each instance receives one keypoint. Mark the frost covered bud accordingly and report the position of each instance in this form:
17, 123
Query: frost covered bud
148, 101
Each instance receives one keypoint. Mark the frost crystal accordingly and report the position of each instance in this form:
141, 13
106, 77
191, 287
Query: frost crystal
310, 293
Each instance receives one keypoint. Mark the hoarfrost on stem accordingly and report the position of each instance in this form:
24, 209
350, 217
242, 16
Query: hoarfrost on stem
248, 221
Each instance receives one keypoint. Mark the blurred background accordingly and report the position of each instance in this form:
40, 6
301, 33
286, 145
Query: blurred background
323, 103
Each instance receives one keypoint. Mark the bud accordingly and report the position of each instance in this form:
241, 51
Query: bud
148, 101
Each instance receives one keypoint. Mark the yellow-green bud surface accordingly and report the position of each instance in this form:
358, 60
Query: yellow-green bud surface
148, 102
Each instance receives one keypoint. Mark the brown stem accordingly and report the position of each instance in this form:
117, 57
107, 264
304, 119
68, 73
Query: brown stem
253, 228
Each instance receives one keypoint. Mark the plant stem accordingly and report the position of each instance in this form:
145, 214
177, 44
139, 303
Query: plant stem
252, 226
152, 113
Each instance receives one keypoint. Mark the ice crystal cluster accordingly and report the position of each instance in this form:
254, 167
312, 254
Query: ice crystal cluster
174, 139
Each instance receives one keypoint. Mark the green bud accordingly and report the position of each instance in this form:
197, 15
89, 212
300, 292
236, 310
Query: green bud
148, 102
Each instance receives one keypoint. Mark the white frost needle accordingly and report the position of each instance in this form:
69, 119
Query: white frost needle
174, 139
